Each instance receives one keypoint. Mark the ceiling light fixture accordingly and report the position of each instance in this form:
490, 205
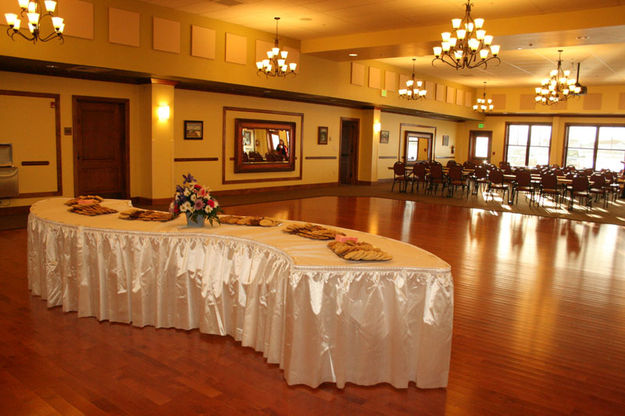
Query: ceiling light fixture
483, 105
469, 46
275, 64
413, 90
558, 87
34, 11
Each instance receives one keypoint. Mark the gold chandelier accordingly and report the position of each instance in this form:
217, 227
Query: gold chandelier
34, 11
275, 64
468, 45
558, 87
413, 90
483, 105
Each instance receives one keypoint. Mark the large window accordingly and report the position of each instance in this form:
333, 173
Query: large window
595, 147
527, 144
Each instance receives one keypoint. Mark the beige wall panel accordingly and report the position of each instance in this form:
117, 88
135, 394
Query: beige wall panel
592, 101
31, 141
78, 18
375, 77
203, 42
166, 35
262, 46
527, 102
123, 27
358, 74
8, 6
293, 56
390, 81
431, 89
403, 78
499, 101
451, 95
459, 97
440, 92
468, 99
236, 49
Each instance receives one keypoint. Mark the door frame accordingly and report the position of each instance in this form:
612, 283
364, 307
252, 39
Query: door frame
354, 150
422, 135
472, 134
125, 102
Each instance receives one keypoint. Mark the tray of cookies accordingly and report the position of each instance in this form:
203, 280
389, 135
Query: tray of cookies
248, 220
91, 210
312, 231
358, 251
145, 215
84, 200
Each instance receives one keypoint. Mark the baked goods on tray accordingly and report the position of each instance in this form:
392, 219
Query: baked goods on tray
315, 232
248, 220
91, 210
84, 199
145, 215
358, 251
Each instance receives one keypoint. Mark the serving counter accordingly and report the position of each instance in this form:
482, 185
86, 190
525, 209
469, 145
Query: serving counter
320, 317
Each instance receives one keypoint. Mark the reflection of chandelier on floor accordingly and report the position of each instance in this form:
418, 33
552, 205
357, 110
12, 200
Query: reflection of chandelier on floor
483, 105
468, 46
558, 87
413, 90
33, 11
275, 64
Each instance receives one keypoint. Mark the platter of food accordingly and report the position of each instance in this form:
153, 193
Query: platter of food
248, 220
312, 231
358, 251
145, 215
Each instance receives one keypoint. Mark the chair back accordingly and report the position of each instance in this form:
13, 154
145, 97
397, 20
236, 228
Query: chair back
480, 172
523, 178
436, 171
451, 163
597, 180
455, 173
580, 183
495, 176
549, 181
418, 170
468, 165
399, 169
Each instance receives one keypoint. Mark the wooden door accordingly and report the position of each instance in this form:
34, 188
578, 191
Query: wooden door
101, 147
348, 160
480, 146
417, 146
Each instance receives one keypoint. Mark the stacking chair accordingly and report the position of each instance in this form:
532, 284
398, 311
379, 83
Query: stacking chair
456, 180
479, 178
436, 177
496, 183
468, 165
399, 176
419, 175
598, 188
451, 163
549, 186
522, 183
579, 188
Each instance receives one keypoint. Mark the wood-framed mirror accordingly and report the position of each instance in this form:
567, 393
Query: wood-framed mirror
263, 146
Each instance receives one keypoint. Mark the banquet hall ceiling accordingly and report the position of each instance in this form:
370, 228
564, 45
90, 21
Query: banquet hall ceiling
395, 31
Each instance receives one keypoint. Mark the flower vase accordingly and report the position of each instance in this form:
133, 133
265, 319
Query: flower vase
197, 222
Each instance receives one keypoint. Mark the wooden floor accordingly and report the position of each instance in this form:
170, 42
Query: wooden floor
539, 329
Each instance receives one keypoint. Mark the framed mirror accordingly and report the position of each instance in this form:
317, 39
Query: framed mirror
263, 146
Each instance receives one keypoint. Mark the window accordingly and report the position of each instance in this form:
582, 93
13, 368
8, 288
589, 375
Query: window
528, 144
595, 147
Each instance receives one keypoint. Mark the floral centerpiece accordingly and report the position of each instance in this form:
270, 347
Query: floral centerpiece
195, 201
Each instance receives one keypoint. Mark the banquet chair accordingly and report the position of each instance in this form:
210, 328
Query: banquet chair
451, 163
399, 176
522, 183
419, 175
479, 178
549, 186
468, 165
496, 183
456, 180
579, 188
598, 187
436, 178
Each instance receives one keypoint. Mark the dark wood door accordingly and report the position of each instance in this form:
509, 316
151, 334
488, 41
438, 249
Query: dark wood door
348, 160
101, 147
480, 146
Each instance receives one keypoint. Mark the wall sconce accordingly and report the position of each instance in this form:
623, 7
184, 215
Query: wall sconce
377, 126
162, 112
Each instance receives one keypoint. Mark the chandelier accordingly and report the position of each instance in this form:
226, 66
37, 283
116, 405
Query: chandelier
275, 64
33, 12
483, 105
469, 46
413, 90
558, 87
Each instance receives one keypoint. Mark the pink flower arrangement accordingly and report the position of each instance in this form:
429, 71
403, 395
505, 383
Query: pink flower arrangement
194, 201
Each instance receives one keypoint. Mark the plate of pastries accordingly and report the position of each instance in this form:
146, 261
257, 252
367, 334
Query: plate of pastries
145, 215
248, 220
358, 251
88, 205
312, 231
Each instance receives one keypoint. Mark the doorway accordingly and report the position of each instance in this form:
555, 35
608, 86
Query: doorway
480, 146
348, 161
417, 146
101, 147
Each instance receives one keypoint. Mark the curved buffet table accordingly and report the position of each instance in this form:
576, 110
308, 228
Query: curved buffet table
321, 318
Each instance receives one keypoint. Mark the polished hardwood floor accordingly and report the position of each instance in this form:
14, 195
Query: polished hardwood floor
539, 329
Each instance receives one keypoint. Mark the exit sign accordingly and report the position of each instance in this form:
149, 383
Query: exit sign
480, 126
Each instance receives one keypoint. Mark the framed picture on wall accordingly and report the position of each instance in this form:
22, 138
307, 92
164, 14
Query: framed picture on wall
322, 135
193, 130
384, 134
445, 140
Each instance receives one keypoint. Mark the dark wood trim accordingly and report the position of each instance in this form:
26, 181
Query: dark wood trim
20, 210
196, 159
488, 133
565, 140
126, 103
320, 157
36, 194
57, 133
163, 82
387, 157
409, 125
504, 156
260, 111
269, 126
35, 163
431, 138
272, 189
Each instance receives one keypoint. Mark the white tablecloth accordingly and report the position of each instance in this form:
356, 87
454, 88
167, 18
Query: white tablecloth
321, 318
